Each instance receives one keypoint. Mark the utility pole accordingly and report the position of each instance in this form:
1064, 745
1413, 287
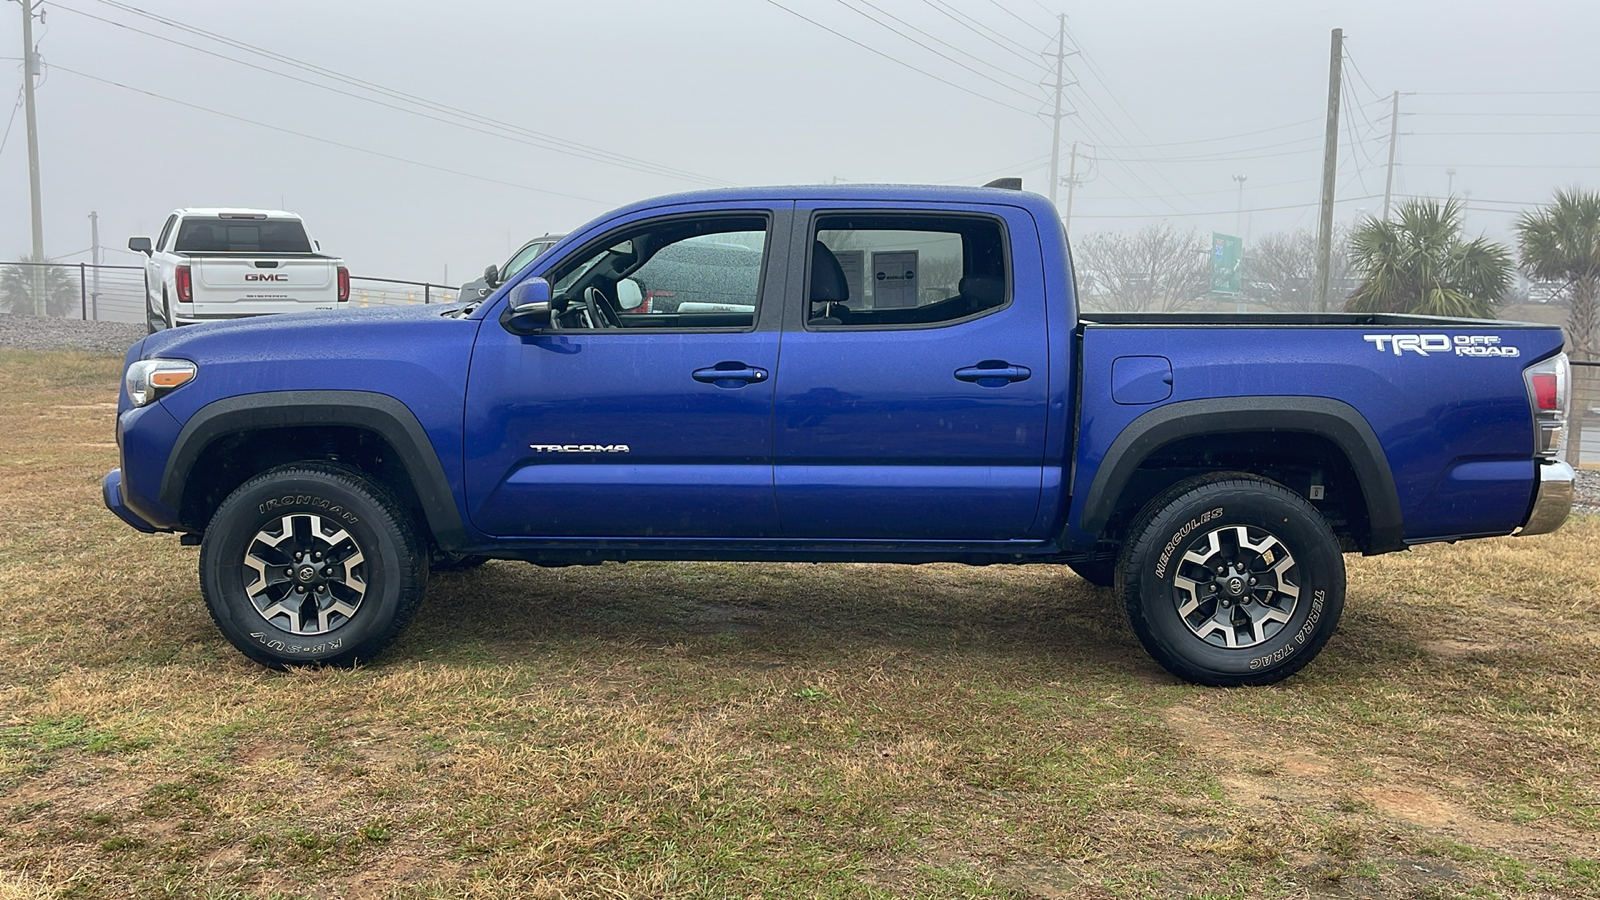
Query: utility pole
1055, 133
1394, 132
1072, 184
1450, 183
1239, 225
94, 257
30, 68
1330, 165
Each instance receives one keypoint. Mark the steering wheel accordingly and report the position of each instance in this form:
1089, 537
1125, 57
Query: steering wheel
600, 309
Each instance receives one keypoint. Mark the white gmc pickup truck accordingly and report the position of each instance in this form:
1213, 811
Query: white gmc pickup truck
227, 263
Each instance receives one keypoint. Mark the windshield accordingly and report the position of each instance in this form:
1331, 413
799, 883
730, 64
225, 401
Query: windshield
529, 252
248, 236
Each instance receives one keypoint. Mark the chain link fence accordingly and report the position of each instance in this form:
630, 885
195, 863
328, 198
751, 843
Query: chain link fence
106, 293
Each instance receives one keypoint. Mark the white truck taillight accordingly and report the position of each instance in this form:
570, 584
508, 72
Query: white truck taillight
185, 282
1549, 394
344, 284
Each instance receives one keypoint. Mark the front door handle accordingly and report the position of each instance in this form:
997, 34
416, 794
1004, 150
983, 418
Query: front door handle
730, 375
993, 373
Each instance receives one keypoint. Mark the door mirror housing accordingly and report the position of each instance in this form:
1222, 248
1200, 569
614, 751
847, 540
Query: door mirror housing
528, 311
491, 275
629, 294
140, 245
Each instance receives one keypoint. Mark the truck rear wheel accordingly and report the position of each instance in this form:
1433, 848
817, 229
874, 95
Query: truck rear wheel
311, 564
1232, 579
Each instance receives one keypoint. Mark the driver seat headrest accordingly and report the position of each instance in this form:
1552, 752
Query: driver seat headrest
828, 284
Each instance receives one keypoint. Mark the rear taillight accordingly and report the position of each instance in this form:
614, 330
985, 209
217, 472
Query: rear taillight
344, 284
1549, 395
185, 283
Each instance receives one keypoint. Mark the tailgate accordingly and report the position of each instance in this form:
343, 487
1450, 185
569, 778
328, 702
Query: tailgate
249, 285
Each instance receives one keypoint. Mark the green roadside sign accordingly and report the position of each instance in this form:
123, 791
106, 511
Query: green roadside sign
1226, 253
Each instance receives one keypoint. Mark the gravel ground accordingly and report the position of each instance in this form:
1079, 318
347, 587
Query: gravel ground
1588, 491
34, 333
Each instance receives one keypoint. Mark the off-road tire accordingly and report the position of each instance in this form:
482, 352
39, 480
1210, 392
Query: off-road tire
1160, 575
330, 510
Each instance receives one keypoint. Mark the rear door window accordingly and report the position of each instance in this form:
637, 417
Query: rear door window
242, 236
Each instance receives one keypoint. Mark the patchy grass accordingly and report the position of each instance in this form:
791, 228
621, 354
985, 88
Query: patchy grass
770, 730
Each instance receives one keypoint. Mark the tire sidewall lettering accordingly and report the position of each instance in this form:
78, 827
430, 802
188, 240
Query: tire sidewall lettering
307, 503
1189, 527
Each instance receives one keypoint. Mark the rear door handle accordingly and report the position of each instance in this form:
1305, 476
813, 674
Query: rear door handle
993, 373
730, 375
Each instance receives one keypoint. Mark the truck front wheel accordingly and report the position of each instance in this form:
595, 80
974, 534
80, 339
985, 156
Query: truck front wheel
311, 564
1232, 579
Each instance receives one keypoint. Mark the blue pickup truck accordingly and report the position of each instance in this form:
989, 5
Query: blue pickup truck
905, 377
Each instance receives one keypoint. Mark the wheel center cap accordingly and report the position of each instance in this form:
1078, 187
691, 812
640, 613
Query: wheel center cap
306, 573
1235, 585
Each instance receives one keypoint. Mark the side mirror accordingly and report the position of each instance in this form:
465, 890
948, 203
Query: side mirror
528, 312
140, 245
629, 294
491, 276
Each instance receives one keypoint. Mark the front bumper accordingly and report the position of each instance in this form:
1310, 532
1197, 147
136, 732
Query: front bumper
1553, 499
111, 492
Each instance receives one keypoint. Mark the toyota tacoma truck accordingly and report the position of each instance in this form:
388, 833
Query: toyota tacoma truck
907, 379
229, 263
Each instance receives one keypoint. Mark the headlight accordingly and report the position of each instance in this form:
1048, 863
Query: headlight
148, 379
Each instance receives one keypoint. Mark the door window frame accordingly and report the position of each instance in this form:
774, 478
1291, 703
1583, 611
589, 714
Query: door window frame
166, 231
803, 306
768, 315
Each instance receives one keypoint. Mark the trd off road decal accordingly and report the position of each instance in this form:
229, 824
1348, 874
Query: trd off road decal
1476, 345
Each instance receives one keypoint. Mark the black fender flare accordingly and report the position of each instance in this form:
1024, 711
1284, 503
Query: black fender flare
377, 413
1335, 420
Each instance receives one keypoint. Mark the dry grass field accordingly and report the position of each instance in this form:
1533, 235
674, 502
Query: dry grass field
712, 730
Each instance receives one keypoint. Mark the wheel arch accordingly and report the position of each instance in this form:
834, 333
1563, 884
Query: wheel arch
278, 425
1334, 422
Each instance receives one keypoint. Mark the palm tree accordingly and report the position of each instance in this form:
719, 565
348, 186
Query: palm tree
1420, 264
1561, 242
39, 290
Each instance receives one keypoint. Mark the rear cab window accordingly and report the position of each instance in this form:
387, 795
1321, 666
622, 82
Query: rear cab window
905, 270
218, 235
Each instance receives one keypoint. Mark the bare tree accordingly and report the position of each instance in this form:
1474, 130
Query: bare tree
1280, 267
1155, 269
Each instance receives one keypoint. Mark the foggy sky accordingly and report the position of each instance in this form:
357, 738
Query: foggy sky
741, 91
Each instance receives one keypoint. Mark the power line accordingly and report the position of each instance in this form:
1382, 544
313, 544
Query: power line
1509, 115
1495, 166
642, 166
548, 141
14, 107
1500, 133
1002, 7
898, 62
932, 36
937, 53
951, 13
1223, 157
1503, 93
1229, 212
323, 140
